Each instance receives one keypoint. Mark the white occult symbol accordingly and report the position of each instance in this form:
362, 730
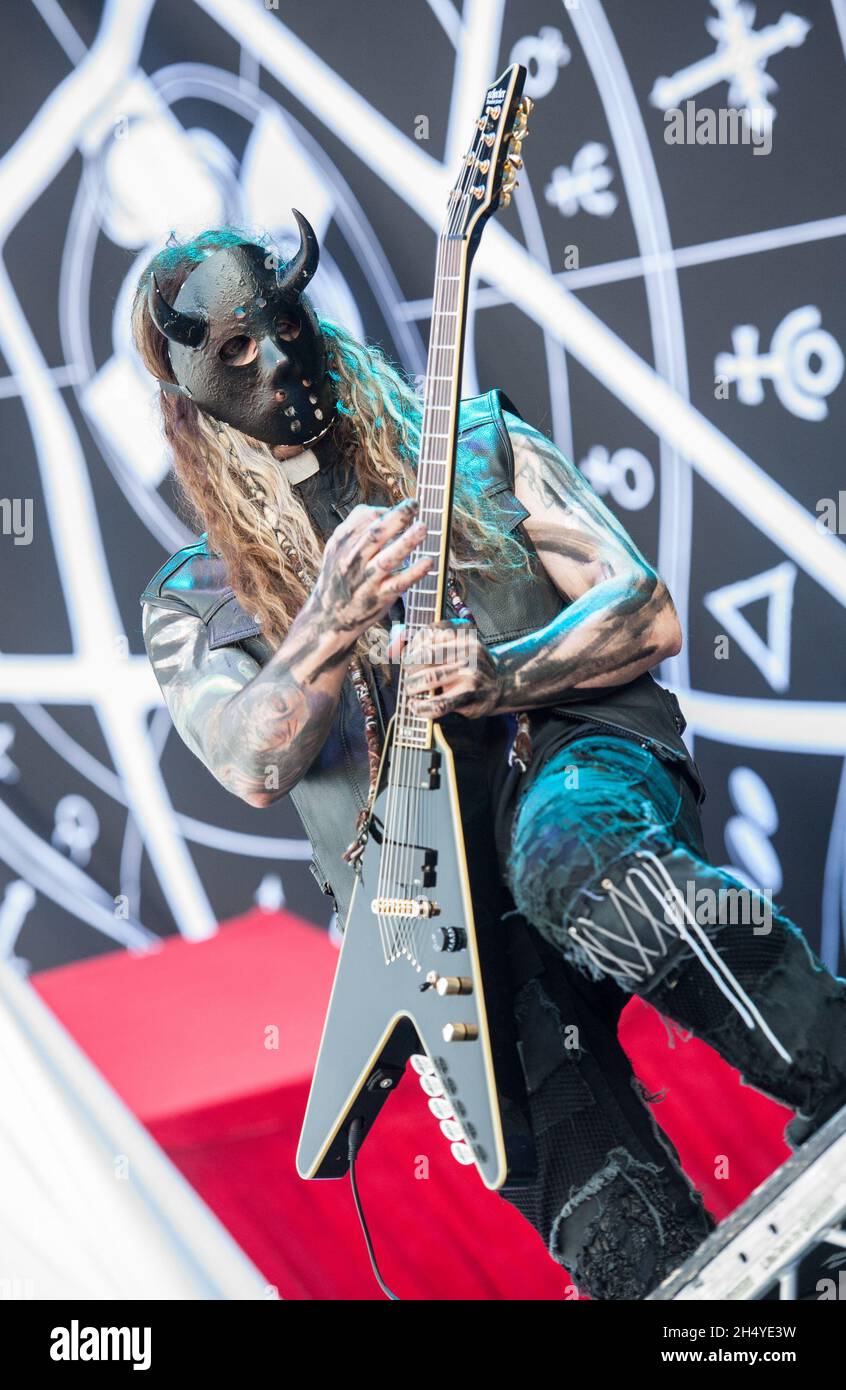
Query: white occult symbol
543, 54
741, 58
627, 474
797, 343
77, 827
748, 834
585, 185
776, 585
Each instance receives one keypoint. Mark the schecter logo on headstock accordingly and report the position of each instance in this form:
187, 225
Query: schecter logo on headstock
495, 94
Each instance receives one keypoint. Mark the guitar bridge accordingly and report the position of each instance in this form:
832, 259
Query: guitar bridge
404, 907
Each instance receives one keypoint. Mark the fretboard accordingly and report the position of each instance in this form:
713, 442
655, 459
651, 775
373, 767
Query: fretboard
424, 601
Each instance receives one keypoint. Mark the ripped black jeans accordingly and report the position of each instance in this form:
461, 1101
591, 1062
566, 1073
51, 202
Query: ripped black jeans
606, 858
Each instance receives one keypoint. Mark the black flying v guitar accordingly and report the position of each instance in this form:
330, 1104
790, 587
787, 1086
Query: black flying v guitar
421, 972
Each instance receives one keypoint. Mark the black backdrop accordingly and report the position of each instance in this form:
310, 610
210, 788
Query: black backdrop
125, 120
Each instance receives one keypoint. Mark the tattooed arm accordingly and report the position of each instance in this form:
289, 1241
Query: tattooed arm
620, 620
258, 729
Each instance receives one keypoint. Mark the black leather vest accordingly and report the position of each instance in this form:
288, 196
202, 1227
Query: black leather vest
330, 795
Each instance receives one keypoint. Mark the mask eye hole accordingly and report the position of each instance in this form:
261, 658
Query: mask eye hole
288, 327
238, 351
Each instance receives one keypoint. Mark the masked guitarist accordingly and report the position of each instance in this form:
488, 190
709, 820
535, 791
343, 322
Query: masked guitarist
296, 446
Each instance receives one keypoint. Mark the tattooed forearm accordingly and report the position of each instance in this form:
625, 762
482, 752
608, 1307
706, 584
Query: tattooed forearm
620, 619
257, 729
607, 637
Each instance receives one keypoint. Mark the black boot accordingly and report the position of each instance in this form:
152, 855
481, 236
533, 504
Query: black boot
804, 1007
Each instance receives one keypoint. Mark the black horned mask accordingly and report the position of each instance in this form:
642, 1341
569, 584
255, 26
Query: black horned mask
245, 344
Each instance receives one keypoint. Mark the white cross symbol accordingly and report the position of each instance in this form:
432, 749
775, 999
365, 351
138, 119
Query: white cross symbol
740, 59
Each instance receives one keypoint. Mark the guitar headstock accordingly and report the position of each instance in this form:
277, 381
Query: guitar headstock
489, 171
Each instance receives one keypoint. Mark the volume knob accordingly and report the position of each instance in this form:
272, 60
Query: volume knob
453, 984
460, 1032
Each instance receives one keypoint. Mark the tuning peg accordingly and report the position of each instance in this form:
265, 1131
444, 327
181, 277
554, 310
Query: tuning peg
520, 129
514, 156
505, 198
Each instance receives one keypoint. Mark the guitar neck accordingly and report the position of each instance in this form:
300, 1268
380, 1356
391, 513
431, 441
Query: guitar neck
486, 179
438, 438
439, 428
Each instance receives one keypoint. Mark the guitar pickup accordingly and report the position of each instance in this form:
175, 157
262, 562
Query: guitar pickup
434, 771
430, 859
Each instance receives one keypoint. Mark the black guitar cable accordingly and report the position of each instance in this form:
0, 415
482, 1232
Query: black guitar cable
354, 1141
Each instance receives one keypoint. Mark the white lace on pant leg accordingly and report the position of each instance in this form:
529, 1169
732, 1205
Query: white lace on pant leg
653, 880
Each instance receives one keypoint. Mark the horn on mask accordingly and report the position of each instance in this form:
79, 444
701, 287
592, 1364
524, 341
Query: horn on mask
187, 329
296, 273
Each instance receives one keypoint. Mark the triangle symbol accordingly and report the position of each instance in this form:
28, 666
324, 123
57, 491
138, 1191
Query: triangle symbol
772, 657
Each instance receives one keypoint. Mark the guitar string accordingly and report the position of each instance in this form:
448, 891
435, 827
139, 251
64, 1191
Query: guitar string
433, 400
435, 483
433, 480
397, 824
400, 823
397, 801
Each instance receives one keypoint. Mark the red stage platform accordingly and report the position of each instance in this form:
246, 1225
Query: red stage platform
212, 1044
